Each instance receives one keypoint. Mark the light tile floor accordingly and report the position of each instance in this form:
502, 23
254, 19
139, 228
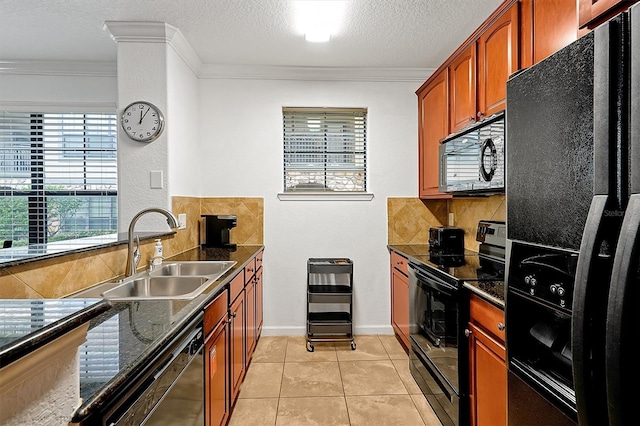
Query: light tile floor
287, 385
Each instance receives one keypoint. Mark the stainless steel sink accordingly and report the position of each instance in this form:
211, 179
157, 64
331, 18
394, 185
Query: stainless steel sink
158, 288
204, 268
177, 280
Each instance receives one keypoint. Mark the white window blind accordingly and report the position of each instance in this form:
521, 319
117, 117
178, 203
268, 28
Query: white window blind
325, 149
58, 176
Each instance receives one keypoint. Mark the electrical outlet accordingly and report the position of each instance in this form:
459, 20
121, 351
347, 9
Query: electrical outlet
182, 221
451, 222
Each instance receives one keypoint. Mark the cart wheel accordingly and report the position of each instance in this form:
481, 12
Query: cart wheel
353, 345
309, 347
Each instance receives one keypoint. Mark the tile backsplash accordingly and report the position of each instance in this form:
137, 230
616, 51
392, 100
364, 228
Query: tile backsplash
65, 275
409, 219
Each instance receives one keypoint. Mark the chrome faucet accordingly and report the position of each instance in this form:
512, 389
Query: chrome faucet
133, 255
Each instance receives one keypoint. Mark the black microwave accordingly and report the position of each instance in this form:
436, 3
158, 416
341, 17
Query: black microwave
473, 160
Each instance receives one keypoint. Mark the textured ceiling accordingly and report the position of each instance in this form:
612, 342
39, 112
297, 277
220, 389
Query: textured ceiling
374, 33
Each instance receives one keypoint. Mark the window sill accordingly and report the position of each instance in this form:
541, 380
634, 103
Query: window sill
325, 196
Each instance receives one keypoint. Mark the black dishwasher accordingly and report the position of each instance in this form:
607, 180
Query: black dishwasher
136, 404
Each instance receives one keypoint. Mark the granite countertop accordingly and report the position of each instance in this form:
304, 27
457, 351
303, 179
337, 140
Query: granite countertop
124, 336
28, 324
491, 291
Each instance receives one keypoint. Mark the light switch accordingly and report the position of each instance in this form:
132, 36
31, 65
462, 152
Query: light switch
156, 179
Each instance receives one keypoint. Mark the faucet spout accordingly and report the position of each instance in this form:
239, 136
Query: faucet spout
132, 260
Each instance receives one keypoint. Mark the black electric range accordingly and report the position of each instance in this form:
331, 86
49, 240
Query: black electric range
487, 265
437, 315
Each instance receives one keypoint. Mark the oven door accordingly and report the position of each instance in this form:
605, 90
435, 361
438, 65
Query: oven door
438, 353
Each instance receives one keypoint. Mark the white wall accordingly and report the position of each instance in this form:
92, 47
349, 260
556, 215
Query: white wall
142, 71
241, 155
183, 128
56, 92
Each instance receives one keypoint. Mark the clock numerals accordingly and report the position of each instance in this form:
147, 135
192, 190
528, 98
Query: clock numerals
142, 121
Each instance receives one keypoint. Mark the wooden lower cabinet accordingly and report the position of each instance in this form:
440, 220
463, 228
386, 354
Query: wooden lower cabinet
217, 398
400, 306
400, 297
259, 303
250, 334
237, 344
487, 364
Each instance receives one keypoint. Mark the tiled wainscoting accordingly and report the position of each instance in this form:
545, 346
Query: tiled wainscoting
409, 219
65, 275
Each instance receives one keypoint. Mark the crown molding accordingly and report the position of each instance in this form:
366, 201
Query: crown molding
268, 72
59, 68
154, 32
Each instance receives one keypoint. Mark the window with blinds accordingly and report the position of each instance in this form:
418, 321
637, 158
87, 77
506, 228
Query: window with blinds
58, 176
325, 149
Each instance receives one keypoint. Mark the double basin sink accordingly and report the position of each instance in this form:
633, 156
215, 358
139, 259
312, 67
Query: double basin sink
177, 280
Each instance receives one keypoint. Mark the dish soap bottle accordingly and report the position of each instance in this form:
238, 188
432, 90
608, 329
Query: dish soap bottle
156, 260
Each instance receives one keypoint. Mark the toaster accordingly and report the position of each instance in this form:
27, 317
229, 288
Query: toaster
446, 240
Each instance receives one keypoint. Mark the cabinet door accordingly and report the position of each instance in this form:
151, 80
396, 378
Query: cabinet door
433, 126
545, 27
400, 305
237, 344
217, 389
462, 89
488, 379
250, 326
497, 59
259, 302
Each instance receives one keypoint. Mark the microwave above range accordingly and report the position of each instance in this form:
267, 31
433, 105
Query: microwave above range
473, 160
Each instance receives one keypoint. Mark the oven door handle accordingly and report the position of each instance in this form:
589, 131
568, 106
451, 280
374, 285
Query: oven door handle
426, 280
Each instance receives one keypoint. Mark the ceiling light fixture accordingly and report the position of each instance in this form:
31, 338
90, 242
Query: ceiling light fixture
318, 19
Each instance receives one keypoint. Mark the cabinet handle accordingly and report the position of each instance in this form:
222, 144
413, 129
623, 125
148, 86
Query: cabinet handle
500, 326
233, 315
472, 119
479, 115
467, 332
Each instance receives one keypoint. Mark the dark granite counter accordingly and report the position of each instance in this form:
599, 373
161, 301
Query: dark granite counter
123, 336
26, 325
123, 340
491, 291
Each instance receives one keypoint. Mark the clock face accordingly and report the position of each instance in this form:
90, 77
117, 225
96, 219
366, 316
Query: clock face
142, 121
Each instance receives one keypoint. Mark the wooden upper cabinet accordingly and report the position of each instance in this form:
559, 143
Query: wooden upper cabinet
462, 89
592, 13
498, 57
433, 126
546, 26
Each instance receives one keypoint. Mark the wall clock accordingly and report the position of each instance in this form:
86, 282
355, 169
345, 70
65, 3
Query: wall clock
142, 121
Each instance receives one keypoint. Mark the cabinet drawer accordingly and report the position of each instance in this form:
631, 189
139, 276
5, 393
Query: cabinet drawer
236, 286
215, 311
259, 260
488, 316
400, 263
250, 270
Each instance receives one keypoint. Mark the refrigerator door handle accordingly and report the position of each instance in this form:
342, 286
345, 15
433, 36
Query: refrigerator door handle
582, 339
623, 298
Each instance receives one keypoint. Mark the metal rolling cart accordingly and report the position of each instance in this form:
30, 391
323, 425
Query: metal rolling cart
329, 284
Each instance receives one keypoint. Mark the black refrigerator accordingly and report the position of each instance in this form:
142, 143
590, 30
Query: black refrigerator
573, 216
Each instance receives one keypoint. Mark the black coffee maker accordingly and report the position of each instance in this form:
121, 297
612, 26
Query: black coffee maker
217, 229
